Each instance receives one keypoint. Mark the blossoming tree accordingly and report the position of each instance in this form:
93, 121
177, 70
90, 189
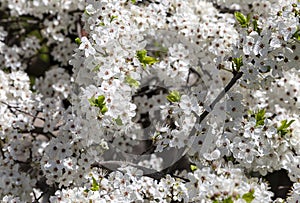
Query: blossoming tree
149, 101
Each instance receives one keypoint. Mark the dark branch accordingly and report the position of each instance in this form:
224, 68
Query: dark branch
237, 76
15, 108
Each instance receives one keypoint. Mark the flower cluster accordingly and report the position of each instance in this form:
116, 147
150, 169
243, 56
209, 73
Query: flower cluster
148, 101
227, 184
124, 186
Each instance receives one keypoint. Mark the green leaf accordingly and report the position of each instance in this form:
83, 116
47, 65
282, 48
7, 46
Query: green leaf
36, 33
255, 26
132, 82
85, 12
230, 158
260, 117
149, 60
99, 102
242, 19
119, 121
174, 96
283, 128
141, 54
159, 45
113, 18
193, 167
97, 68
104, 109
78, 41
228, 200
159, 49
32, 80
95, 185
92, 101
144, 59
133, 1
44, 56
248, 197
238, 63
101, 24
248, 18
296, 35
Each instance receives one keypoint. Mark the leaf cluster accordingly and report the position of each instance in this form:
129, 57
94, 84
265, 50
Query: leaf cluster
174, 96
144, 59
99, 102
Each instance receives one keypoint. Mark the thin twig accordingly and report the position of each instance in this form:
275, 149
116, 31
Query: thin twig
39, 131
237, 76
111, 166
11, 108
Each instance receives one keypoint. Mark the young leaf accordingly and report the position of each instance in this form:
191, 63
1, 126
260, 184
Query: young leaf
101, 24
132, 82
248, 197
228, 200
104, 109
32, 80
44, 54
141, 54
119, 121
99, 102
193, 167
238, 62
174, 96
255, 26
159, 50
144, 59
95, 185
296, 35
283, 128
242, 19
97, 68
260, 117
78, 41
113, 17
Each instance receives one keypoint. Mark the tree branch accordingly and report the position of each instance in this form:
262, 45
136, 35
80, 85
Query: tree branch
15, 108
157, 175
111, 166
237, 76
